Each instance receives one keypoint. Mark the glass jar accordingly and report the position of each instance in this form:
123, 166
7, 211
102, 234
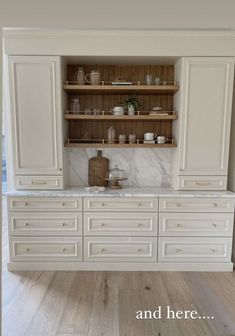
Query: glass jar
111, 134
79, 76
122, 139
132, 139
75, 105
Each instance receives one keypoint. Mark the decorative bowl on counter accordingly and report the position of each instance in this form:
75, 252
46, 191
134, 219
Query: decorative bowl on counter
115, 175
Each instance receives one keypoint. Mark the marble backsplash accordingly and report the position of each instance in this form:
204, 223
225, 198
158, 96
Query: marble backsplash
145, 166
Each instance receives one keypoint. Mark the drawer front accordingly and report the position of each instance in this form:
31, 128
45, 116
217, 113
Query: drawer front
45, 224
39, 182
202, 249
111, 249
45, 249
191, 204
120, 204
44, 204
196, 224
120, 224
202, 182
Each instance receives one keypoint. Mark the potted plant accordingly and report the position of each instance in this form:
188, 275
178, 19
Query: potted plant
131, 103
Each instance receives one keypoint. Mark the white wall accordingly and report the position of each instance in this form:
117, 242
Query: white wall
121, 14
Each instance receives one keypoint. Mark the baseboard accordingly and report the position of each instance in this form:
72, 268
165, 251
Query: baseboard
90, 266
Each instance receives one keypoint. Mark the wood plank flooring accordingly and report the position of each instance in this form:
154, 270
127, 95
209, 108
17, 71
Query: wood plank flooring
105, 303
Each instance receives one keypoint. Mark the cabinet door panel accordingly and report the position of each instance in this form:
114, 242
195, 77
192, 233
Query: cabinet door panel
206, 115
36, 114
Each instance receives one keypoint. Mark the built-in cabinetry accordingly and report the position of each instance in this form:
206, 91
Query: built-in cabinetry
203, 129
36, 121
195, 94
128, 233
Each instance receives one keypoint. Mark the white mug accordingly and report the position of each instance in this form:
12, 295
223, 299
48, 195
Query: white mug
94, 77
149, 136
161, 139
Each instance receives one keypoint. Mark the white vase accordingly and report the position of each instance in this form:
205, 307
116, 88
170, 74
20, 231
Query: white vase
131, 110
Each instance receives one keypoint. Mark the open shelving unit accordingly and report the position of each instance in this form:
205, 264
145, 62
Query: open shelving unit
90, 130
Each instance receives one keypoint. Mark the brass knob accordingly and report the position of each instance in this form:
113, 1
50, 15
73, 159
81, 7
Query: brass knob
64, 249
26, 224
27, 249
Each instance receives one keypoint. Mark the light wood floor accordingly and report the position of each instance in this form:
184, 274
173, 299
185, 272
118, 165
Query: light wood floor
105, 303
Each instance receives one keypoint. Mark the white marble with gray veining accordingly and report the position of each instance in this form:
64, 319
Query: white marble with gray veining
125, 192
144, 166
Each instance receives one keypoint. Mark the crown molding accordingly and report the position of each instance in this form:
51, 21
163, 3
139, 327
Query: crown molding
119, 42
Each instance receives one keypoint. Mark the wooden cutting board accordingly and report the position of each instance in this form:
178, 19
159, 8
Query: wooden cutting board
98, 169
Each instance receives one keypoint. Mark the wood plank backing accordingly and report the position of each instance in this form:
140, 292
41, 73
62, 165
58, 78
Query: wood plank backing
98, 130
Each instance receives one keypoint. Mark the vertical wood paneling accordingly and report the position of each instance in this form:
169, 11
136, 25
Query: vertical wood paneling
98, 129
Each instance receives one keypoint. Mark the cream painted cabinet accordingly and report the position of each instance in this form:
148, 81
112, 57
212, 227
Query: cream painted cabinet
203, 130
36, 121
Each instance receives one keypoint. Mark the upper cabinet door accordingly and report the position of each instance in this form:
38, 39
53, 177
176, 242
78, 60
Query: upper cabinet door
205, 116
36, 117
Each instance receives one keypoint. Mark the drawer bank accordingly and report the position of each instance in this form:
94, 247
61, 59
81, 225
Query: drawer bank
121, 233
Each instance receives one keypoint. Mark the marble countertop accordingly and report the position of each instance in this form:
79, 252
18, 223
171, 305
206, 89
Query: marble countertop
125, 192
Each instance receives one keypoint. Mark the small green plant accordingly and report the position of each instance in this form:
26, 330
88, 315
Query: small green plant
131, 101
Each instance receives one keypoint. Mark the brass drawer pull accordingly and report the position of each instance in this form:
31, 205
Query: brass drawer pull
140, 250
27, 249
64, 249
103, 224
202, 183
63, 224
214, 250
26, 203
179, 250
103, 249
140, 225
39, 182
26, 224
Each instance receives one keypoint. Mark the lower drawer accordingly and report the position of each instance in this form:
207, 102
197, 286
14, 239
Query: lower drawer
196, 224
202, 182
39, 182
120, 249
183, 249
45, 223
45, 249
120, 224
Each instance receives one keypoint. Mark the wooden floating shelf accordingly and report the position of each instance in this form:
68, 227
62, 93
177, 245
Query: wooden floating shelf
121, 89
120, 118
105, 145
